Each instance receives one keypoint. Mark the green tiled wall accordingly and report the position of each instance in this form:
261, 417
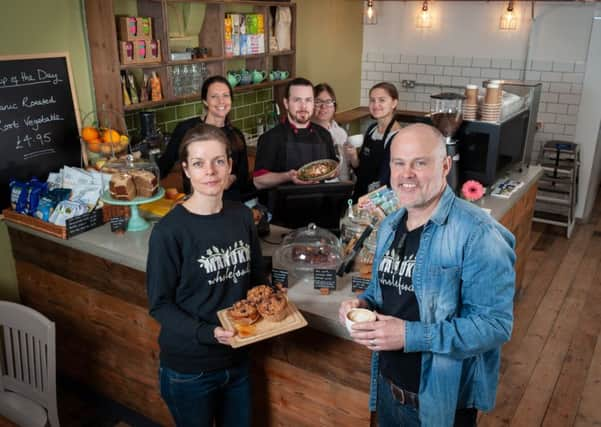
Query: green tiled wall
246, 109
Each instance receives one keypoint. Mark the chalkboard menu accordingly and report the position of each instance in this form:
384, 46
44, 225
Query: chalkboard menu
39, 130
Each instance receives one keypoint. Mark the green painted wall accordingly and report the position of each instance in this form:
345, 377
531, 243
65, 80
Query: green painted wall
329, 43
29, 27
33, 26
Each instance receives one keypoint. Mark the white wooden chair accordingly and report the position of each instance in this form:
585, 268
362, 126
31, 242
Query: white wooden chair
27, 367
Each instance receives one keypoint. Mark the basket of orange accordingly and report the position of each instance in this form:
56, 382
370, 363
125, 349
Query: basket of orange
104, 138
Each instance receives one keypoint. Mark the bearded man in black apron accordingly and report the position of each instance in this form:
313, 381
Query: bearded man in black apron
294, 142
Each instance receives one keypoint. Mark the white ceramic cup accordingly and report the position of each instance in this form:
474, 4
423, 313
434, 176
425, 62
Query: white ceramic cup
357, 315
355, 140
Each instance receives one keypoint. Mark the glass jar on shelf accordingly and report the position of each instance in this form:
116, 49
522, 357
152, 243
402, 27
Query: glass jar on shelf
352, 226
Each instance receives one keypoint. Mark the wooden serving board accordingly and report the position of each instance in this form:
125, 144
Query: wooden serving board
264, 328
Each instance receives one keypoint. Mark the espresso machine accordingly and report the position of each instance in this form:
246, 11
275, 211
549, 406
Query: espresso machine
446, 113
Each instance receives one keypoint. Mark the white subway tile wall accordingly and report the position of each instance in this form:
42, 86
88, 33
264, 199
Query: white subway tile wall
561, 84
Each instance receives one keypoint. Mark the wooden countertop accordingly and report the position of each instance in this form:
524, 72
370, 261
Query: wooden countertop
358, 113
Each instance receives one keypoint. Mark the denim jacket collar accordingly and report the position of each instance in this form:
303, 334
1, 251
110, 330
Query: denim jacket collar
445, 204
440, 215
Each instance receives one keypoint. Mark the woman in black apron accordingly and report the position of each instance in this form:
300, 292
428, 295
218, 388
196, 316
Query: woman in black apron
217, 96
372, 164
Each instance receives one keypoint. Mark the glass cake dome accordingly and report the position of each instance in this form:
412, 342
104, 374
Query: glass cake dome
306, 249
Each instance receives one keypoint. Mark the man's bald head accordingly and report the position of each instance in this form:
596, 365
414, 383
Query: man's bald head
425, 134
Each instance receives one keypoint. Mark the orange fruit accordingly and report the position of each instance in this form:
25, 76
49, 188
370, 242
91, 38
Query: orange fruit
94, 145
106, 149
111, 135
90, 133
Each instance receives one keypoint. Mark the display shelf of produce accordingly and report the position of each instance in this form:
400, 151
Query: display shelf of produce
144, 65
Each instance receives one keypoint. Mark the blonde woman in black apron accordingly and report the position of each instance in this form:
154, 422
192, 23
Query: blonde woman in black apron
371, 164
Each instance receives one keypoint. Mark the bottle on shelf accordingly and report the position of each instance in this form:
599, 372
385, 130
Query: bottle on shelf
156, 93
272, 116
260, 126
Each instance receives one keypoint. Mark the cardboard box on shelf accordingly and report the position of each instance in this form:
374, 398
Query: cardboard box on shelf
131, 28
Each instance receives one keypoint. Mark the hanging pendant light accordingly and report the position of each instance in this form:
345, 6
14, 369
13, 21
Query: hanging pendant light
508, 19
370, 16
424, 17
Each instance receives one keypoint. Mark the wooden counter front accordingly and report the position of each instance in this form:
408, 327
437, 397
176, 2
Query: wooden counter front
93, 286
107, 340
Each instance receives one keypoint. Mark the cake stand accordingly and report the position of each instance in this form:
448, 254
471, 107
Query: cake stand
136, 222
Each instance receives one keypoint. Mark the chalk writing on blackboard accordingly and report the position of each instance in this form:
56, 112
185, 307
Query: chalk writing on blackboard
39, 122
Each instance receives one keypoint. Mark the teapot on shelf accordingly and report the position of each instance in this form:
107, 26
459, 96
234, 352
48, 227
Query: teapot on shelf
246, 77
233, 78
258, 76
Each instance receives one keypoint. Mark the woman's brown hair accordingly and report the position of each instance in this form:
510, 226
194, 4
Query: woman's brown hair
388, 87
324, 87
200, 133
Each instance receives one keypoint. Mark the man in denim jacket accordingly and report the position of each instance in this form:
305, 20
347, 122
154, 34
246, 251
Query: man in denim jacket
442, 286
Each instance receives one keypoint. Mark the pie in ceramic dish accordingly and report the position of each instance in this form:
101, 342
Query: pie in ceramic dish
318, 170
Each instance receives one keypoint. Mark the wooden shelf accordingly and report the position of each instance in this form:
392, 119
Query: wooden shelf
254, 86
282, 53
196, 61
254, 56
106, 67
144, 65
146, 104
234, 2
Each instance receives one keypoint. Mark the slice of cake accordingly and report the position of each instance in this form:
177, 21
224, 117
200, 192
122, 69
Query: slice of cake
122, 186
145, 181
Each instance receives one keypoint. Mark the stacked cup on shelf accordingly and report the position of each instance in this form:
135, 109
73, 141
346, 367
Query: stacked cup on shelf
491, 108
470, 107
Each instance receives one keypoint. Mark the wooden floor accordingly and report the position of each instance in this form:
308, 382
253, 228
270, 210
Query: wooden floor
551, 368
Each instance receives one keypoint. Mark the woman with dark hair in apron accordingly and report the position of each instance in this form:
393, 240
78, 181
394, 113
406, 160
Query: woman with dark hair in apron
371, 164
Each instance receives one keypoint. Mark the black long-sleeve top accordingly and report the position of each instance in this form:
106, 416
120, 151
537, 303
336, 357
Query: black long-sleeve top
198, 265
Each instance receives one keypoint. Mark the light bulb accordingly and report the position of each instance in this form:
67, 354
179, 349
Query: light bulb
424, 18
508, 19
370, 13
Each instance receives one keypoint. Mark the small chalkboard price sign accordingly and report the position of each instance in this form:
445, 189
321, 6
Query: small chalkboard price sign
324, 279
119, 224
279, 275
39, 118
359, 284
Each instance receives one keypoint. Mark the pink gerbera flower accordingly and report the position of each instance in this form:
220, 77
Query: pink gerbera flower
472, 190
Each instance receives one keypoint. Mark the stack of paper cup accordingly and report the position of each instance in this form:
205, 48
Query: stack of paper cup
470, 107
500, 84
491, 108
